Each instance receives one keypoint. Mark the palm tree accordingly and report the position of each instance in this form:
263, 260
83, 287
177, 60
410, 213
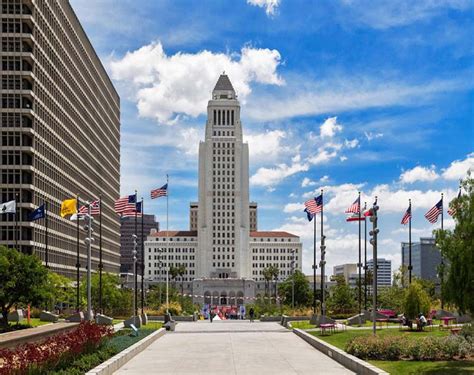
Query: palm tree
174, 272
267, 275
181, 272
274, 271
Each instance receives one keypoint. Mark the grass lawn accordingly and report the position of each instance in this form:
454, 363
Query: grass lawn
340, 339
117, 321
303, 324
35, 322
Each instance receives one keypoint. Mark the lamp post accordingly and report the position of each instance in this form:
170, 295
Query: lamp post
135, 313
88, 241
293, 278
374, 232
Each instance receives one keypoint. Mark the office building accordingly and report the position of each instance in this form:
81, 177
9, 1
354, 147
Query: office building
127, 229
384, 271
59, 133
425, 258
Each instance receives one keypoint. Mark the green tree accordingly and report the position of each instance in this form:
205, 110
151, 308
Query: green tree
302, 290
267, 276
181, 273
457, 249
115, 300
173, 273
416, 300
392, 298
23, 280
59, 291
342, 298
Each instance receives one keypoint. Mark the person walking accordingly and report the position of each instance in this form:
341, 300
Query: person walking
251, 314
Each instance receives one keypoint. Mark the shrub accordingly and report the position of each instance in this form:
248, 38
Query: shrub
416, 301
467, 332
39, 357
398, 347
174, 308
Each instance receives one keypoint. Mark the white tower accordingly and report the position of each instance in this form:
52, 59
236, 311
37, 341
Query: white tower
223, 217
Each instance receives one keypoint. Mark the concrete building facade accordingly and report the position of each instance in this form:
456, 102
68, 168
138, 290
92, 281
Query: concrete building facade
127, 229
229, 253
425, 258
59, 133
349, 271
384, 271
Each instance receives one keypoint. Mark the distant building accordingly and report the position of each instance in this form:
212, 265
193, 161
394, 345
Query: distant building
425, 258
384, 271
349, 271
127, 229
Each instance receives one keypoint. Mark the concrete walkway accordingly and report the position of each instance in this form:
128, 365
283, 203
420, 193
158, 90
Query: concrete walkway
231, 347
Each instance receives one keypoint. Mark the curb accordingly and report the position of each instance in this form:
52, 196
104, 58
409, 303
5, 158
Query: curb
120, 359
347, 360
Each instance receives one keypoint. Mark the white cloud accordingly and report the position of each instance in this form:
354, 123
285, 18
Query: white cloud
323, 156
293, 207
370, 136
348, 94
351, 144
343, 158
269, 5
267, 145
330, 127
384, 14
459, 168
165, 86
307, 182
419, 174
273, 176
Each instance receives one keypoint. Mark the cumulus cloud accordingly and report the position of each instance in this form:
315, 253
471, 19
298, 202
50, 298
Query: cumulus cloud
273, 176
351, 144
267, 145
330, 127
269, 5
293, 207
165, 86
307, 182
459, 168
419, 174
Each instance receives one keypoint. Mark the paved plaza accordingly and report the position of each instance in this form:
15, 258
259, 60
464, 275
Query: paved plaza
231, 347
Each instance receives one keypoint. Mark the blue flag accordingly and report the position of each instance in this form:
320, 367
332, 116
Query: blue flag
139, 206
39, 213
309, 214
132, 198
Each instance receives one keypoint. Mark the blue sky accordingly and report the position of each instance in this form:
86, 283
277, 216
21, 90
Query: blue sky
342, 95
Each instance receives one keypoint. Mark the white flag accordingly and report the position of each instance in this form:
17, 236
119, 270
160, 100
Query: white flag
8, 207
75, 216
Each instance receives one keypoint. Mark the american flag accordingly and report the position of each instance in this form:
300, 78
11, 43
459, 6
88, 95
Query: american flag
314, 205
125, 203
355, 217
406, 218
95, 208
433, 213
136, 210
452, 210
160, 192
354, 207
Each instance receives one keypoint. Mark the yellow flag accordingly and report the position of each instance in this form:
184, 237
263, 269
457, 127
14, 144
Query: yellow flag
68, 207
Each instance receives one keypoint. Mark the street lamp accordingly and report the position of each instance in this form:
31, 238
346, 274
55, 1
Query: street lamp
88, 241
293, 278
135, 312
373, 241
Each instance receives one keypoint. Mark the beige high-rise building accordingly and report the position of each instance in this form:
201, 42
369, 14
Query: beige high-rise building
59, 133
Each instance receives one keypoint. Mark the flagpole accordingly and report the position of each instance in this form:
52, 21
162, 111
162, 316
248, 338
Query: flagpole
101, 266
167, 239
46, 254
359, 265
314, 264
78, 265
16, 222
442, 260
135, 276
365, 258
143, 260
409, 244
322, 265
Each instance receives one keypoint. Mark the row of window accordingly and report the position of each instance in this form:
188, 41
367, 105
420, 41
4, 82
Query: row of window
223, 117
223, 133
275, 251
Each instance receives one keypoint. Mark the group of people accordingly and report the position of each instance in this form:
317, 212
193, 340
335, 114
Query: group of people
420, 321
212, 315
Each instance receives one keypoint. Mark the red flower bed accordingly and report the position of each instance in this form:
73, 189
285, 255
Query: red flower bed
48, 353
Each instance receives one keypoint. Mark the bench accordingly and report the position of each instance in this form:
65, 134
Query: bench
323, 328
455, 331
